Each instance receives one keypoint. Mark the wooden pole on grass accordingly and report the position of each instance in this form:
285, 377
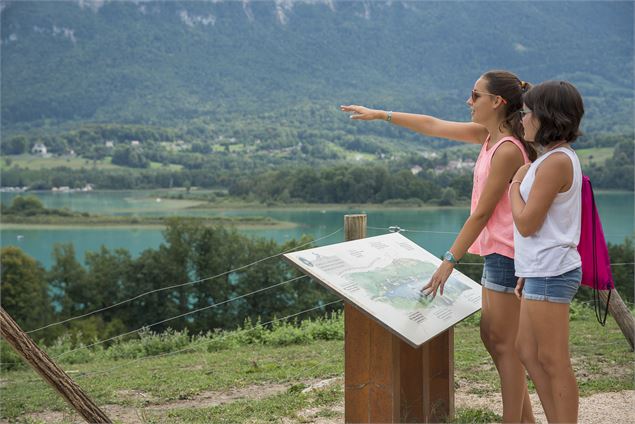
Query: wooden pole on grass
385, 379
620, 314
49, 371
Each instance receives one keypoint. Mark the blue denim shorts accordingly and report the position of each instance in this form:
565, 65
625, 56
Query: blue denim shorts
558, 289
499, 273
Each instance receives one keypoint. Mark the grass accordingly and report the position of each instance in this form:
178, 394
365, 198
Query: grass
39, 162
15, 221
254, 360
597, 155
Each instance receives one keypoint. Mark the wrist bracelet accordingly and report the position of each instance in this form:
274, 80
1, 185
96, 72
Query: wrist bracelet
389, 116
515, 181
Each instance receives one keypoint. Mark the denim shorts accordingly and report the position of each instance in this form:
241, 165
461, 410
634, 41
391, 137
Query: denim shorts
558, 289
499, 273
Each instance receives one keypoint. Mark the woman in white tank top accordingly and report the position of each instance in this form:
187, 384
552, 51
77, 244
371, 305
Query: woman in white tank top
546, 206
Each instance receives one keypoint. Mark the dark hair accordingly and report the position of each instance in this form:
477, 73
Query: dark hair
511, 88
559, 108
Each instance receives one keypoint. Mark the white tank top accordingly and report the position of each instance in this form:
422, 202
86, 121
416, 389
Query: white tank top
552, 250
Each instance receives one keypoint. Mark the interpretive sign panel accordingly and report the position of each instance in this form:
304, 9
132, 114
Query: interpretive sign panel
383, 277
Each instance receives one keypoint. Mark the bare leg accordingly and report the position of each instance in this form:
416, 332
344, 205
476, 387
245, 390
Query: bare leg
543, 344
499, 325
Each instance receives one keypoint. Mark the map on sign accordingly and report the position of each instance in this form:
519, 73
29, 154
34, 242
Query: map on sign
383, 277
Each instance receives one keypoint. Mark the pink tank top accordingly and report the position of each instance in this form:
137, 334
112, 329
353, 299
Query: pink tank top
498, 234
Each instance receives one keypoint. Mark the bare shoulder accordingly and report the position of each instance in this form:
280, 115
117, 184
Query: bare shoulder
556, 161
557, 167
507, 159
508, 151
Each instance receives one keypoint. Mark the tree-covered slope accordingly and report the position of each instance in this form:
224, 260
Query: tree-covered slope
169, 63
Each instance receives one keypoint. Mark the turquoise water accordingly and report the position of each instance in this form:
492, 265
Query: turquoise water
431, 228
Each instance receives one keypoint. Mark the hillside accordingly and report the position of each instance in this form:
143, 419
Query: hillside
233, 68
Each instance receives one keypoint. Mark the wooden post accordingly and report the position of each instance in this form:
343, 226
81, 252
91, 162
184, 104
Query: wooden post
620, 314
386, 380
49, 371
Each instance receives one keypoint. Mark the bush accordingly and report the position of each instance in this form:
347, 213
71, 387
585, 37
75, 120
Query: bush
149, 344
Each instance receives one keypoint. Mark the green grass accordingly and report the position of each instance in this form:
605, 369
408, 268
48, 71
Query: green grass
38, 162
255, 359
17, 221
597, 155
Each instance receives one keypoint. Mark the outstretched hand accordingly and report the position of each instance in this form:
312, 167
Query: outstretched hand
362, 113
438, 279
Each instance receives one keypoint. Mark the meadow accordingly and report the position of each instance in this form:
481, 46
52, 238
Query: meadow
258, 374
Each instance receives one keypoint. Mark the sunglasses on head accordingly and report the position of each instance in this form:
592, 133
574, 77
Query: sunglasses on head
476, 94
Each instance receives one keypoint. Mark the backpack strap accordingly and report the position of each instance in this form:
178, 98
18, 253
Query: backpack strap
597, 307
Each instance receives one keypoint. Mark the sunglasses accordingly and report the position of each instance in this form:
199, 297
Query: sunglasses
476, 94
524, 112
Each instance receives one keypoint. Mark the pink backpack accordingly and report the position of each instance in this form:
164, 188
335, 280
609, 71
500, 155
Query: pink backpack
596, 265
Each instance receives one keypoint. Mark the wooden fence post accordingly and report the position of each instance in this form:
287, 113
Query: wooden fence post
49, 371
385, 379
620, 314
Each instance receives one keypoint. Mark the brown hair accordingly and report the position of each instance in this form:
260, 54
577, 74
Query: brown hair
511, 88
559, 108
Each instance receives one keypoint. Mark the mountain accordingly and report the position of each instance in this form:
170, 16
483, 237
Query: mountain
231, 66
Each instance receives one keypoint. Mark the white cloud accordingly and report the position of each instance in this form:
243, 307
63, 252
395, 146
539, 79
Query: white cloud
520, 48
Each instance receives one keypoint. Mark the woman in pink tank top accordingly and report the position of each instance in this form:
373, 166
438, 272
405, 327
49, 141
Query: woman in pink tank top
495, 102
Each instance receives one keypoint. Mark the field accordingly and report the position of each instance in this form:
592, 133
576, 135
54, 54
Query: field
257, 375
597, 155
72, 162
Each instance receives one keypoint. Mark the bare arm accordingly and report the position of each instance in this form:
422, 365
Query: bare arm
554, 175
468, 132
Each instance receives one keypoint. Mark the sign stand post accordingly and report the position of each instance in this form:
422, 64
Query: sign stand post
385, 379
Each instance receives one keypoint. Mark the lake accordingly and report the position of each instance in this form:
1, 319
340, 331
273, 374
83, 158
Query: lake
434, 228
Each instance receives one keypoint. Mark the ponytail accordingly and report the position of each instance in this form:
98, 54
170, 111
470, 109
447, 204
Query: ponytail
511, 88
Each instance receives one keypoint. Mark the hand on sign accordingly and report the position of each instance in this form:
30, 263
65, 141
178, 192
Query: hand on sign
438, 279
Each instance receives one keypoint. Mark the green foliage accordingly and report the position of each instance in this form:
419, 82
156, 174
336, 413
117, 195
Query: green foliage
149, 343
24, 289
130, 156
448, 197
617, 172
473, 416
26, 205
623, 274
31, 206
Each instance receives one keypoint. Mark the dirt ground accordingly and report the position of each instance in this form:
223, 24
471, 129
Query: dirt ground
601, 408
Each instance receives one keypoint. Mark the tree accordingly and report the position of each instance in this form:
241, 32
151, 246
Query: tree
68, 279
107, 274
448, 197
14, 145
26, 205
24, 289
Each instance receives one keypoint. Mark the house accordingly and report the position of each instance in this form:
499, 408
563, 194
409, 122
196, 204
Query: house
135, 143
109, 144
39, 149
